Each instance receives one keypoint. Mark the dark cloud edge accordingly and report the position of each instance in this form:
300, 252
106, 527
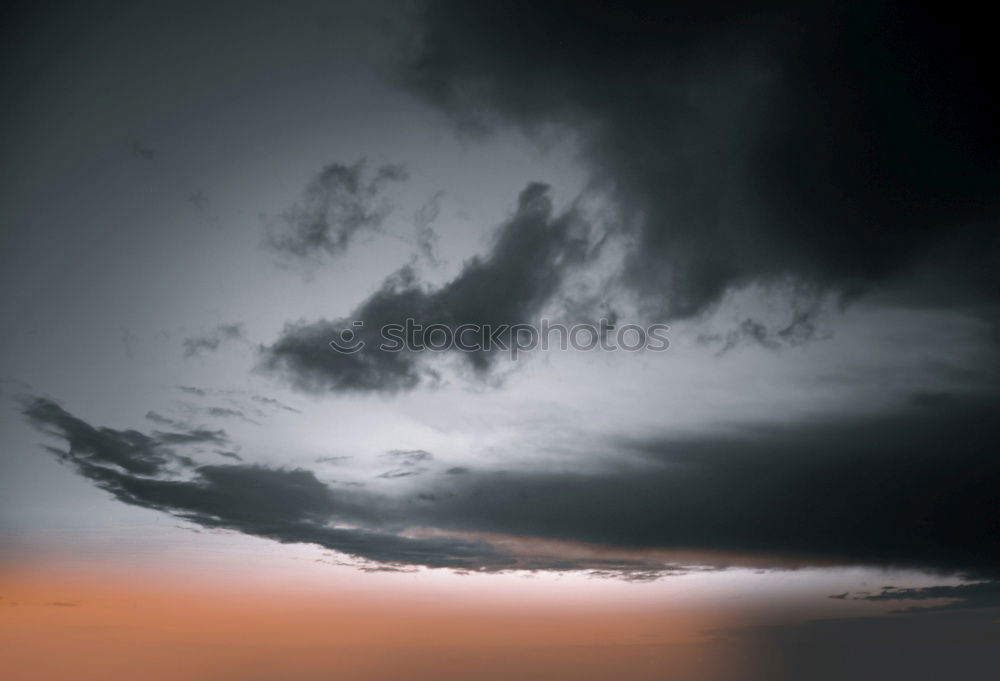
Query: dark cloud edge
844, 145
911, 490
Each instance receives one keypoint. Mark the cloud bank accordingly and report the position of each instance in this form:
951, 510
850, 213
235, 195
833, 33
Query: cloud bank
911, 490
845, 145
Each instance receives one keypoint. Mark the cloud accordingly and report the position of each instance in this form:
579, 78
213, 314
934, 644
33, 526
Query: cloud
211, 341
961, 596
129, 450
915, 490
334, 459
426, 237
409, 463
339, 203
801, 329
843, 145
192, 436
228, 455
272, 402
409, 457
403, 473
286, 505
226, 412
510, 285
162, 420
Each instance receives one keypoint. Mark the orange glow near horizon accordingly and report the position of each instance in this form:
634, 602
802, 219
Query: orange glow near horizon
55, 626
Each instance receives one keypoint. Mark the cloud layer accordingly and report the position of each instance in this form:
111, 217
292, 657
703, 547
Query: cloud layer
913, 490
841, 144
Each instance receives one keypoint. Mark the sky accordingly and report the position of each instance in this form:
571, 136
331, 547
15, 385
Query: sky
197, 198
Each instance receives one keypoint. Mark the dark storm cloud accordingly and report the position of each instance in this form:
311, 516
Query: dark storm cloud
286, 505
510, 285
212, 340
840, 144
339, 203
915, 490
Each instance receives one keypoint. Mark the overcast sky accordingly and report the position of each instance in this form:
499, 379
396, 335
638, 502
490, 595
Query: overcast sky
199, 197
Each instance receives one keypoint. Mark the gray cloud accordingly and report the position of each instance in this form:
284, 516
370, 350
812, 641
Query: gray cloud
802, 328
272, 402
226, 412
408, 463
339, 203
334, 459
961, 596
916, 489
162, 420
426, 237
408, 457
510, 285
840, 144
287, 505
191, 436
132, 451
403, 473
211, 341
228, 455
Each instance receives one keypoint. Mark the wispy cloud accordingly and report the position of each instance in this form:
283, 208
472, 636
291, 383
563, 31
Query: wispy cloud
340, 203
210, 341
